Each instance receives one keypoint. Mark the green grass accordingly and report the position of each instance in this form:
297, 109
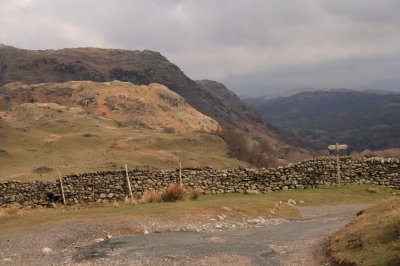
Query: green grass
234, 206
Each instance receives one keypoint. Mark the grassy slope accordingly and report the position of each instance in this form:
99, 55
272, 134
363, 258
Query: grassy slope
91, 138
373, 238
234, 206
63, 146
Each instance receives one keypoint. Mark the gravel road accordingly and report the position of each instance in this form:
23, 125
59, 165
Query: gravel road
252, 242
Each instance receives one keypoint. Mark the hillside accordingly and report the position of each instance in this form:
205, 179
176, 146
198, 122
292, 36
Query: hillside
363, 120
142, 67
230, 99
150, 106
84, 126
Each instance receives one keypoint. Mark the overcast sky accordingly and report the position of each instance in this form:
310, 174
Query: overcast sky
250, 45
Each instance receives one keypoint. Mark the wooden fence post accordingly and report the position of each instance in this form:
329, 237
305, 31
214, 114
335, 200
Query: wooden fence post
180, 173
62, 188
338, 166
129, 183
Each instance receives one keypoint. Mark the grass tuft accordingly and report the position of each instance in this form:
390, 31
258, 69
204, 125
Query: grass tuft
128, 201
12, 210
151, 196
194, 194
174, 192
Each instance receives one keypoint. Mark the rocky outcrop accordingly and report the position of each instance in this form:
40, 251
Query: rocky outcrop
111, 185
151, 106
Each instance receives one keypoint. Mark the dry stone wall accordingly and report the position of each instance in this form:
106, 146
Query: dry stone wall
108, 186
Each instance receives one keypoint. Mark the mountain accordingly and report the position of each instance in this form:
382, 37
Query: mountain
238, 107
83, 125
143, 67
387, 85
363, 120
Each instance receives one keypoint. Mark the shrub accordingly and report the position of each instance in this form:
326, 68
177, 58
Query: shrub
241, 146
174, 192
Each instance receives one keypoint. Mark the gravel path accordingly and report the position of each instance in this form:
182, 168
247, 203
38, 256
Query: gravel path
155, 242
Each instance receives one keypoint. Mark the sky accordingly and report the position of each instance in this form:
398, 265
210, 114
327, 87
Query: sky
252, 46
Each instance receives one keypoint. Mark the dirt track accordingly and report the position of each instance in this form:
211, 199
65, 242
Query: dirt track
294, 242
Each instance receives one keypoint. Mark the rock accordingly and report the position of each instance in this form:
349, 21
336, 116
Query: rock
372, 190
252, 192
109, 237
6, 259
257, 221
291, 202
47, 251
103, 196
145, 232
98, 240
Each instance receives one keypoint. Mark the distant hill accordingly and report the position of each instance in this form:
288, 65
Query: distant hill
144, 67
364, 120
387, 85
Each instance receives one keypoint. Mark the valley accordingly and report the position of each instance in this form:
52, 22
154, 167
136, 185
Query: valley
366, 121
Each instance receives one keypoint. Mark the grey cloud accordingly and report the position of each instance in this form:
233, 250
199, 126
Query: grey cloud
319, 43
366, 11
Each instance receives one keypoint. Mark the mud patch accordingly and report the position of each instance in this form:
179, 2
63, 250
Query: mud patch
213, 239
43, 170
4, 153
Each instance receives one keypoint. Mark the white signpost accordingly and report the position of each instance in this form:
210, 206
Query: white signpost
337, 147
